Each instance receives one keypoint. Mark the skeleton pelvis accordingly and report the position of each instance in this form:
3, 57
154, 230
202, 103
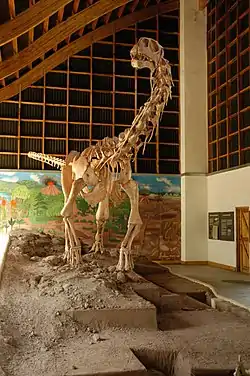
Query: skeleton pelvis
83, 170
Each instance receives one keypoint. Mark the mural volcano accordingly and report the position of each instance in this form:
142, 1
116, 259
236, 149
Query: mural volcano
50, 188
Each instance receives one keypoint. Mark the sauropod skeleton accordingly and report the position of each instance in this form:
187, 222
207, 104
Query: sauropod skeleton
102, 170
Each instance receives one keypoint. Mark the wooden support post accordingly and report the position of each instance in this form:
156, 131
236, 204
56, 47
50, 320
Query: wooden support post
91, 96
44, 115
67, 111
113, 88
19, 128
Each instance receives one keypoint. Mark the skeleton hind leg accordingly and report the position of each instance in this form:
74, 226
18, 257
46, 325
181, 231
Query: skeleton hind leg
72, 253
134, 225
102, 215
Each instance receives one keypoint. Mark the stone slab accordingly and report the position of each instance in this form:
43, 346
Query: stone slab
175, 302
142, 318
224, 306
107, 360
150, 292
174, 284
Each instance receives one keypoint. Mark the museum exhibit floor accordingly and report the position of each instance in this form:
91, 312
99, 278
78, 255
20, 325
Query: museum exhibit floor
231, 285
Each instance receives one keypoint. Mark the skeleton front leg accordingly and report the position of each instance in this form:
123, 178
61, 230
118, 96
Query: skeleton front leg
134, 225
72, 253
102, 215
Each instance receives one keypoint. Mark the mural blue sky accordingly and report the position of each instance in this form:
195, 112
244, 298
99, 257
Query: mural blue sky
151, 183
18, 176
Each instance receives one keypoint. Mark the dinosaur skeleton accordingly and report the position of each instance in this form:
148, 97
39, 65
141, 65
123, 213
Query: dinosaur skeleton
101, 171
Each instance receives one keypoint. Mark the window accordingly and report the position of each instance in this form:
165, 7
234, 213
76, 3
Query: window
228, 40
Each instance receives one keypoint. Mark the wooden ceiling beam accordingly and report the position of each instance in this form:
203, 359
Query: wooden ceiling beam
82, 43
12, 10
57, 34
29, 19
2, 82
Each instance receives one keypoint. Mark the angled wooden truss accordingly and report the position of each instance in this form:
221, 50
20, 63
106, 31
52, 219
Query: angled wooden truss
29, 19
56, 35
74, 47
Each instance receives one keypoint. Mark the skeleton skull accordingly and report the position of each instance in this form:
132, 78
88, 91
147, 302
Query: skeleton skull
146, 53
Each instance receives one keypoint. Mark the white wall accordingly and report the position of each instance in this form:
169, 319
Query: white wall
226, 191
194, 229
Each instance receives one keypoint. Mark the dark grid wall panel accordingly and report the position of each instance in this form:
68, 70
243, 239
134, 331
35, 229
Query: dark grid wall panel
94, 94
228, 40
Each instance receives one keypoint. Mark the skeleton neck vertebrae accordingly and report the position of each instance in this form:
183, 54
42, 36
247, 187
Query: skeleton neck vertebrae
95, 165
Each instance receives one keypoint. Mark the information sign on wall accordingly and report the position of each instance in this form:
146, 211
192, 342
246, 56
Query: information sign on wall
221, 226
226, 228
214, 223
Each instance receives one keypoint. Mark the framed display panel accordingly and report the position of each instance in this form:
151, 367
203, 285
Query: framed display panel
92, 95
228, 41
226, 228
221, 226
213, 225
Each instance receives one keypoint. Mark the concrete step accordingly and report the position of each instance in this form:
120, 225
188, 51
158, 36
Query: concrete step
151, 292
224, 306
142, 318
175, 302
165, 300
103, 360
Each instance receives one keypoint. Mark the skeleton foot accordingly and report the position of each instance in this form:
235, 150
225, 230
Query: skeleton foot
73, 256
125, 262
97, 247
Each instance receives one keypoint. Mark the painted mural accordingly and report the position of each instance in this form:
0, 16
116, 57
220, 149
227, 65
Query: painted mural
34, 200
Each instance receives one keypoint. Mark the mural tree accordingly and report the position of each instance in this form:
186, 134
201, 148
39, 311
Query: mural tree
21, 192
40, 206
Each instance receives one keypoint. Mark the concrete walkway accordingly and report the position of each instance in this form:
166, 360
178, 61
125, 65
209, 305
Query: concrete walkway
232, 286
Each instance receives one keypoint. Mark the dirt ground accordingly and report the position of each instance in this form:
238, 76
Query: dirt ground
38, 337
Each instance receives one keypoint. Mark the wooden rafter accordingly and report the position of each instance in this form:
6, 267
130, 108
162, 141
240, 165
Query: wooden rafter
81, 31
12, 10
56, 35
29, 19
94, 24
75, 6
120, 11
82, 43
59, 20
134, 5
2, 82
31, 31
60, 15
107, 17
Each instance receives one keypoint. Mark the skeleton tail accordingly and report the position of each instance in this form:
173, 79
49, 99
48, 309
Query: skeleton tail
52, 161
